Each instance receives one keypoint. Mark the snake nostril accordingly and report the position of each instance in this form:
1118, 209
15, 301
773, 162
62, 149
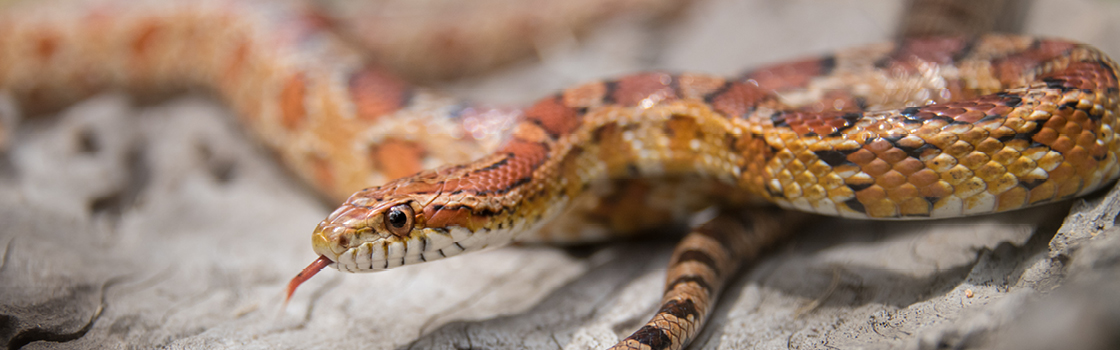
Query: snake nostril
331, 238
340, 235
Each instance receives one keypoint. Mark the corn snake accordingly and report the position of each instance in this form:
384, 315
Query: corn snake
291, 89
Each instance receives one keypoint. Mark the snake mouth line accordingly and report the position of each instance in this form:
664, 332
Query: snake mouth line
353, 249
352, 252
380, 255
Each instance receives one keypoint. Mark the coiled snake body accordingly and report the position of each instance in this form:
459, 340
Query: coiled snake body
924, 128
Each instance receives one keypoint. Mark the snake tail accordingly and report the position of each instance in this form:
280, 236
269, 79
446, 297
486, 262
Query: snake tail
701, 265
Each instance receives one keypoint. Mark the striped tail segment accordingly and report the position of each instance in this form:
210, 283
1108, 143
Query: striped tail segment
701, 264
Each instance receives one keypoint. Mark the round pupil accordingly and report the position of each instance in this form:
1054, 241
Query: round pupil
397, 218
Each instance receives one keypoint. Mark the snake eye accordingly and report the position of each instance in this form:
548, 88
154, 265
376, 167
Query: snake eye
398, 220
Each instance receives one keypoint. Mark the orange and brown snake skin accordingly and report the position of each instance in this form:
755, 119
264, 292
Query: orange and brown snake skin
918, 129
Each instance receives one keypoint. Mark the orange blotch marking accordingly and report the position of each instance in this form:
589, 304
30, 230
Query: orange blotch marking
236, 61
697, 86
315, 20
423, 183
555, 117
47, 45
522, 158
437, 216
292, 96
1085, 75
1010, 69
818, 123
631, 90
739, 99
148, 35
940, 50
377, 93
587, 95
397, 158
789, 75
915, 53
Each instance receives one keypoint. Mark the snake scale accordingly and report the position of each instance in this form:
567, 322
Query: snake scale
917, 129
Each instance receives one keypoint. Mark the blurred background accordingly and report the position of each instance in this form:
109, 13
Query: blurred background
158, 225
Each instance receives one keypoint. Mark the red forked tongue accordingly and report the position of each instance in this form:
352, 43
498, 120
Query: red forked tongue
303, 276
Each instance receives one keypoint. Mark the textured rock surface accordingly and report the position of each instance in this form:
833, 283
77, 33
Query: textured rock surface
160, 226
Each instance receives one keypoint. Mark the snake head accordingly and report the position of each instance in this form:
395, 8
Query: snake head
370, 234
359, 232
403, 222
350, 226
